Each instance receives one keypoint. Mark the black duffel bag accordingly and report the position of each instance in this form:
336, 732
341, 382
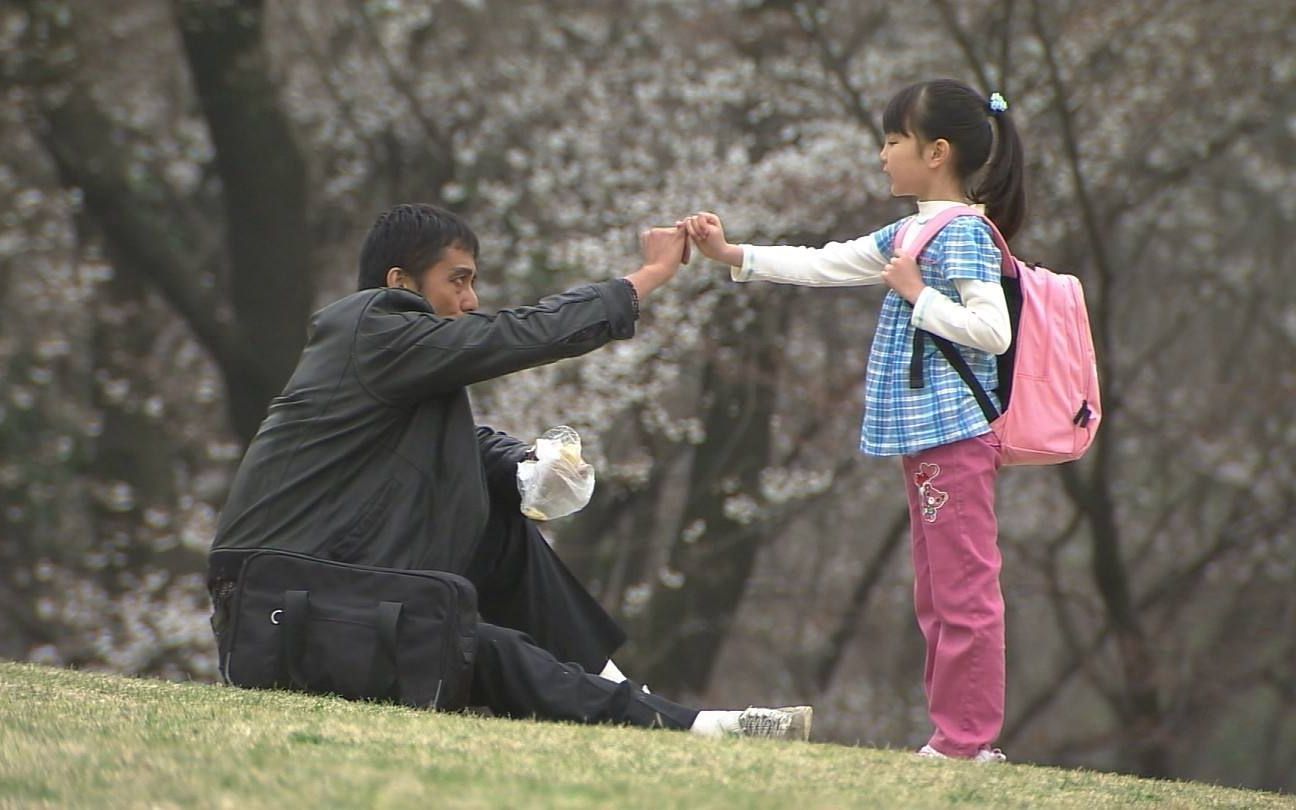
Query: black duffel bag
363, 633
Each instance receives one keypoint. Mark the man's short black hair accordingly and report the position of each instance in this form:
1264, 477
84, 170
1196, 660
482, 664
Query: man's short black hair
411, 236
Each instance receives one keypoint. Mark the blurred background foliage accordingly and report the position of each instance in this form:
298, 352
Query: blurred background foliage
183, 182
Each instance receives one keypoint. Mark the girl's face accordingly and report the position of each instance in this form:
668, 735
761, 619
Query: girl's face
904, 161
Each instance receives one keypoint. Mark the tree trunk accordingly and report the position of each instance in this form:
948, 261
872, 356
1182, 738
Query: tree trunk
264, 192
694, 601
1139, 707
256, 335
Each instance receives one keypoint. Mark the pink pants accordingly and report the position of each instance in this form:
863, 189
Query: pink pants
957, 598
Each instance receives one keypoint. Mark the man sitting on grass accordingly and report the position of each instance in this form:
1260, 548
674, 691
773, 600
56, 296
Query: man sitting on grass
371, 456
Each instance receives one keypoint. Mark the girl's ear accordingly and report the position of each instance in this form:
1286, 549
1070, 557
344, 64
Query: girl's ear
938, 153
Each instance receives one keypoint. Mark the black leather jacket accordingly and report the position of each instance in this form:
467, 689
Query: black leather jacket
371, 455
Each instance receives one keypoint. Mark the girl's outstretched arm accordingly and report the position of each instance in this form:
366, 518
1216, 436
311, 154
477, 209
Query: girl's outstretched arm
837, 264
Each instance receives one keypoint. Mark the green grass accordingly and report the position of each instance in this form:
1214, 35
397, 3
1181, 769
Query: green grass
79, 739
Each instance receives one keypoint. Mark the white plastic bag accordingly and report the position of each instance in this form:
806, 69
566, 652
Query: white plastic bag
558, 482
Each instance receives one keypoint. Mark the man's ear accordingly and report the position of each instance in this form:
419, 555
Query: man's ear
395, 276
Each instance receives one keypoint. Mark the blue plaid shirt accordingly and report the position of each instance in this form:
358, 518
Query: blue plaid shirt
899, 420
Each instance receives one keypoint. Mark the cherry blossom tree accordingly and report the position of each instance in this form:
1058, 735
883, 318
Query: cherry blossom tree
187, 180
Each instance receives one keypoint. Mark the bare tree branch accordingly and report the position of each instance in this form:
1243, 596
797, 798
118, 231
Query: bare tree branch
135, 215
848, 624
949, 18
838, 66
1168, 590
440, 165
1093, 221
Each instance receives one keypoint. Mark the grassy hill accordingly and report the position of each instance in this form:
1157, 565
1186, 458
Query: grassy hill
79, 739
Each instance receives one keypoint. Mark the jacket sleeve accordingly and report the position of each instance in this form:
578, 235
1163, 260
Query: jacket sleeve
403, 355
500, 454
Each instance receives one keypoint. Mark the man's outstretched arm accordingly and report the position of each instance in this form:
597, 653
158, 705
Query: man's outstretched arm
405, 355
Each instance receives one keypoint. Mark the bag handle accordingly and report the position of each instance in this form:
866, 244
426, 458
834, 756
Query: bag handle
296, 610
383, 681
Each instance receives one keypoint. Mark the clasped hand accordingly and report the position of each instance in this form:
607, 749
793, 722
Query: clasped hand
706, 231
902, 275
665, 247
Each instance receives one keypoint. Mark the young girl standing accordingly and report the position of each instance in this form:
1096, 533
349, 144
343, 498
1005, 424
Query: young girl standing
946, 145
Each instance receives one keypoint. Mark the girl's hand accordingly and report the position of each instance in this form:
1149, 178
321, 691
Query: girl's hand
902, 275
707, 232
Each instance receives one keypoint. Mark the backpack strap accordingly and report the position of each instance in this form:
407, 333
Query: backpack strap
947, 348
960, 364
937, 223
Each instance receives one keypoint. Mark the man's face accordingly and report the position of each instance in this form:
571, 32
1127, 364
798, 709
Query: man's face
448, 284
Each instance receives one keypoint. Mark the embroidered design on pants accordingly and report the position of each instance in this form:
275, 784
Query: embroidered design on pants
931, 498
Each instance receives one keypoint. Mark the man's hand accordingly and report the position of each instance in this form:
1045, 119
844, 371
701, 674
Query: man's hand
663, 249
707, 232
902, 275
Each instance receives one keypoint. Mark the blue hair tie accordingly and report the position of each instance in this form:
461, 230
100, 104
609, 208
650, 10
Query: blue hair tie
997, 104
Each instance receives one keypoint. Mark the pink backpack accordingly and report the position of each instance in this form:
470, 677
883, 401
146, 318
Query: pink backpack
1048, 378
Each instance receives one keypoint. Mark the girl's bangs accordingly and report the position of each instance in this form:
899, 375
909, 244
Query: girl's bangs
898, 116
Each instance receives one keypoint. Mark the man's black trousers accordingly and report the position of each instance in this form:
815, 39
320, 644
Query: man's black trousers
543, 638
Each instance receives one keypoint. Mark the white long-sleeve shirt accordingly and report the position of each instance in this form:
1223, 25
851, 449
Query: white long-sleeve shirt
980, 320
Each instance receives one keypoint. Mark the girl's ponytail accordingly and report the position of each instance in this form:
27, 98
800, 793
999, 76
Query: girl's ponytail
1002, 187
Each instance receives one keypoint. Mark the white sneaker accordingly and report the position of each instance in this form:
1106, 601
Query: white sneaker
786, 723
984, 755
